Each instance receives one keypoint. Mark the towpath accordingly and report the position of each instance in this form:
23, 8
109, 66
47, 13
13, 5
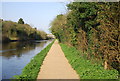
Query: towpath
56, 66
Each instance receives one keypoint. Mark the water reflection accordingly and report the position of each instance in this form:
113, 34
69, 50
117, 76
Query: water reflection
19, 48
15, 56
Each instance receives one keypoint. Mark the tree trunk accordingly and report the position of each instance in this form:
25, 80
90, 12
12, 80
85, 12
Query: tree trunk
106, 65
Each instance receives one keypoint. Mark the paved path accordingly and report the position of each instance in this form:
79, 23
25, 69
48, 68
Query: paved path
56, 66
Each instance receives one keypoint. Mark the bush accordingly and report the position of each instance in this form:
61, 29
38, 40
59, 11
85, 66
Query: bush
84, 67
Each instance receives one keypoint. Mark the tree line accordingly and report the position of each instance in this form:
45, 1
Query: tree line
93, 28
20, 31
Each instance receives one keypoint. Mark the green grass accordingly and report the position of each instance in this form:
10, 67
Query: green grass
84, 68
31, 70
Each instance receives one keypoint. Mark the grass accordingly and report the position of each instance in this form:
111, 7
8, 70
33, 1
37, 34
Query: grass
84, 68
31, 70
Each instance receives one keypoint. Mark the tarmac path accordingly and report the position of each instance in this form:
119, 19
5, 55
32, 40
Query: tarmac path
56, 66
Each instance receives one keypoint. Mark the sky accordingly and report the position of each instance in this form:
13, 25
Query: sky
37, 14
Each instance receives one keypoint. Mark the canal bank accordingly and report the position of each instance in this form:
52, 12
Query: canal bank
56, 66
30, 71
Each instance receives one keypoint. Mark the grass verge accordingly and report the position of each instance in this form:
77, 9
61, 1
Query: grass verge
31, 70
84, 68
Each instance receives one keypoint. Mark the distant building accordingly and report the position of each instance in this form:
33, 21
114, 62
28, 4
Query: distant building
51, 36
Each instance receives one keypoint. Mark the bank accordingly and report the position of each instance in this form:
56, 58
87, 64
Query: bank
85, 68
30, 71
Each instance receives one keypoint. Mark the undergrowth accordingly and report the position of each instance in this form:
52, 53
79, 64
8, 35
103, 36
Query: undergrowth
84, 68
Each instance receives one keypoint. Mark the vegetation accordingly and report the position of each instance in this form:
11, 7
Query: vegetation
93, 29
31, 70
20, 21
84, 68
20, 31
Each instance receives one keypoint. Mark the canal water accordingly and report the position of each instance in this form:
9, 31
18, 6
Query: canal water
15, 55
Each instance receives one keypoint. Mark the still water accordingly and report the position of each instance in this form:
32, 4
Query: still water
15, 56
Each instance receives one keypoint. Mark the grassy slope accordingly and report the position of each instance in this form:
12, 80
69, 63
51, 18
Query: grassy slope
84, 68
31, 70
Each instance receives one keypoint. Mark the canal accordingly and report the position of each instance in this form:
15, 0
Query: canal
15, 55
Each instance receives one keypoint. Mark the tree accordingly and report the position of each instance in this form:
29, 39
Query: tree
20, 21
92, 28
58, 26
